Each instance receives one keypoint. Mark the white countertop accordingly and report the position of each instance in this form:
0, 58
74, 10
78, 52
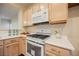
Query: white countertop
8, 37
63, 42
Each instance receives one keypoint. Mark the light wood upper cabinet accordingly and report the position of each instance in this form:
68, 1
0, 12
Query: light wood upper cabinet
27, 17
43, 5
58, 12
35, 8
39, 6
28, 14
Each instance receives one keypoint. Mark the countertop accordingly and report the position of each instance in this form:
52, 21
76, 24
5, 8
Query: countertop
8, 37
60, 42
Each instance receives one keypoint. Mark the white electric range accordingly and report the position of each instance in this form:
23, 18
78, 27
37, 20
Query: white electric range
35, 44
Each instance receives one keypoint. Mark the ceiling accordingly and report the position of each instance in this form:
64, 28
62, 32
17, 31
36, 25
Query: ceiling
16, 5
12, 9
26, 5
21, 5
8, 11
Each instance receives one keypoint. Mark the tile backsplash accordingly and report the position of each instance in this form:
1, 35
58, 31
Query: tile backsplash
47, 28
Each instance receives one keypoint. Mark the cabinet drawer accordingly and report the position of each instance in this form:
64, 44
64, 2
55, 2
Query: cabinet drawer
57, 50
9, 41
49, 54
1, 42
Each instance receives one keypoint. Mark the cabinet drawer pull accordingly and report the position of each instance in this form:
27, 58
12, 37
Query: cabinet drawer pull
59, 52
56, 51
53, 49
52, 52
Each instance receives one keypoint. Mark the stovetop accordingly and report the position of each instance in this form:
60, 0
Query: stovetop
40, 36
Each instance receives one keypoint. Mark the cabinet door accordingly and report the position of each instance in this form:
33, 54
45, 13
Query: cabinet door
55, 50
35, 7
43, 5
29, 20
1, 50
11, 49
23, 41
22, 46
28, 17
25, 15
58, 12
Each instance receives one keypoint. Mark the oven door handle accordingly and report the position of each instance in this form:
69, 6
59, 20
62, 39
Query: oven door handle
35, 44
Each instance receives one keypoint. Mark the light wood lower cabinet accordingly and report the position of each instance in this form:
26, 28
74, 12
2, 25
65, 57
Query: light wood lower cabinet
11, 49
1, 51
13, 46
51, 50
1, 48
22, 46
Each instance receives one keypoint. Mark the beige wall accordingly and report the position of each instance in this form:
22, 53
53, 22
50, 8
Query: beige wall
72, 28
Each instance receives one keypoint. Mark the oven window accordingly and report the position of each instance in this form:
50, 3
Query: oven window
33, 50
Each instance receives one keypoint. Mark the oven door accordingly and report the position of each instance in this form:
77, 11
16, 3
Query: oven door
35, 49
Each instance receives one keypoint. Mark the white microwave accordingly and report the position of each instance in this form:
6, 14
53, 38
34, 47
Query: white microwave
40, 16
